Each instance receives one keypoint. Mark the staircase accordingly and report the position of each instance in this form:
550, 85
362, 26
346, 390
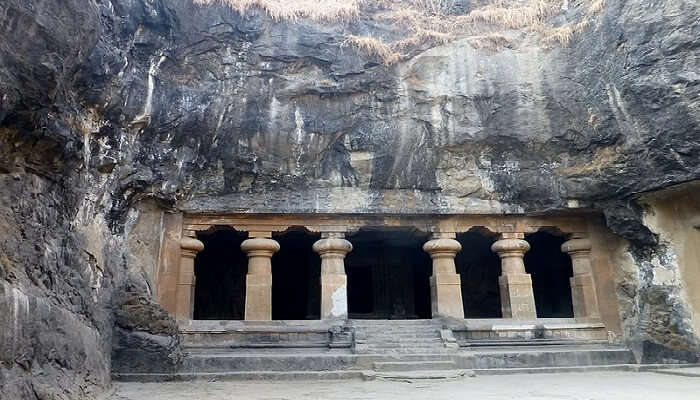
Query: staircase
369, 349
421, 336
410, 349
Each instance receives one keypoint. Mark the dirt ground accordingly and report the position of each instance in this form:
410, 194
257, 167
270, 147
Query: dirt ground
568, 386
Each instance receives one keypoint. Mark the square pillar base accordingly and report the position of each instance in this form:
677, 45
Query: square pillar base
258, 297
334, 296
583, 297
517, 298
446, 295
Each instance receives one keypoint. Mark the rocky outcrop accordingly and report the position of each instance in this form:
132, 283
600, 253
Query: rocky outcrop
106, 103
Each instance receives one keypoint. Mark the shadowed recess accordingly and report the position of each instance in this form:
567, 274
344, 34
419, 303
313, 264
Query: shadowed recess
296, 286
388, 275
550, 270
479, 268
220, 270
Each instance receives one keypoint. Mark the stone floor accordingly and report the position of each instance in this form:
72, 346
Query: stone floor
570, 386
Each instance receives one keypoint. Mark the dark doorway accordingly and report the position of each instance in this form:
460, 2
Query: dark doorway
550, 270
296, 277
479, 269
220, 271
388, 275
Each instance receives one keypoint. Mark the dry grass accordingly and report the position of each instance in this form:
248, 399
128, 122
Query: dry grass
563, 34
425, 23
373, 47
293, 10
529, 14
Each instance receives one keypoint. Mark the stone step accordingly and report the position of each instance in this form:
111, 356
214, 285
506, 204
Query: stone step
409, 376
399, 332
532, 342
407, 350
302, 364
237, 376
379, 331
408, 341
426, 345
374, 322
395, 366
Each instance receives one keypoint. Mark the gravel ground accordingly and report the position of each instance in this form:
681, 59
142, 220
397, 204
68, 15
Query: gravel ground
572, 386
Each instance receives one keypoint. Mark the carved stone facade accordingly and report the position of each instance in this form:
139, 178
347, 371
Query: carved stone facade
581, 232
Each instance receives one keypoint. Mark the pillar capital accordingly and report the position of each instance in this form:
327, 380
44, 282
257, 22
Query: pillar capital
332, 246
190, 246
510, 247
577, 247
260, 247
442, 247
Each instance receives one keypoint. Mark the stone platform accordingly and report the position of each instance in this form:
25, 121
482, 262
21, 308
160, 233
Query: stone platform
403, 349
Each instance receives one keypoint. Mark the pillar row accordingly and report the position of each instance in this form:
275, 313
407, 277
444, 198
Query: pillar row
445, 284
258, 284
184, 293
334, 283
517, 297
583, 293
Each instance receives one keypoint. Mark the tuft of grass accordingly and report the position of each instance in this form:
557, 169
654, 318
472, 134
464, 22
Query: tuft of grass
293, 10
424, 23
563, 34
373, 47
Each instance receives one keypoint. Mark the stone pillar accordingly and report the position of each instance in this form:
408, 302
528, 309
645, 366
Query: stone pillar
517, 298
583, 293
258, 283
445, 284
332, 248
184, 294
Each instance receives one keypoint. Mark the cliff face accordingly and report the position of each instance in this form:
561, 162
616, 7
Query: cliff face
106, 103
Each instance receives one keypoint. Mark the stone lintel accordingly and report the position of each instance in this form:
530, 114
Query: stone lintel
511, 235
260, 234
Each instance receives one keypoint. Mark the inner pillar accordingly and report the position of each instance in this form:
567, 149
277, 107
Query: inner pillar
583, 293
517, 298
258, 300
445, 284
184, 303
332, 249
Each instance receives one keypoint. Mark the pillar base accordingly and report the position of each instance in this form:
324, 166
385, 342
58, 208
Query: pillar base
258, 297
517, 298
583, 297
446, 295
334, 296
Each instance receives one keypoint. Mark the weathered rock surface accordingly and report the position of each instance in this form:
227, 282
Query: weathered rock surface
105, 103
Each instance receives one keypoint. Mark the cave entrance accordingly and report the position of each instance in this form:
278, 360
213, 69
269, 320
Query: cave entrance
388, 275
479, 269
296, 277
550, 270
221, 272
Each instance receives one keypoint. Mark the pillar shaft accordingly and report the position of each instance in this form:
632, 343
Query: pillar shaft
334, 282
583, 295
445, 284
184, 293
517, 298
258, 295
